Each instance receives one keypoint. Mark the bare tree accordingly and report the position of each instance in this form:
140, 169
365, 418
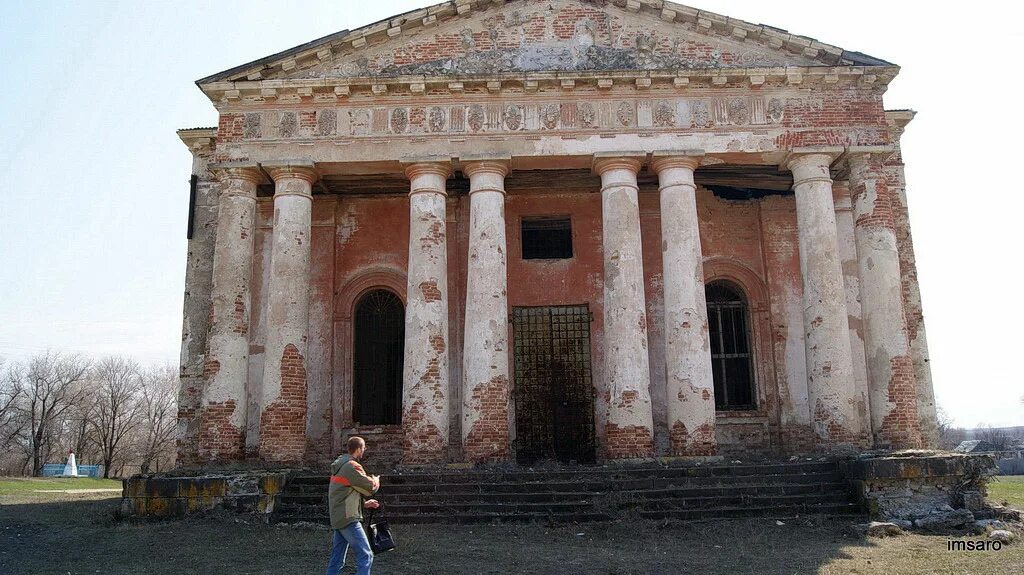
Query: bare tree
159, 418
998, 437
52, 383
117, 411
949, 435
81, 433
12, 392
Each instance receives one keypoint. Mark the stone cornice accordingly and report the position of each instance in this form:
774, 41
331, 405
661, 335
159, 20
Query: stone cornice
898, 120
707, 23
334, 89
199, 140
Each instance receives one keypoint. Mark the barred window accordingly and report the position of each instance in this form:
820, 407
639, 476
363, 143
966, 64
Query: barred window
728, 324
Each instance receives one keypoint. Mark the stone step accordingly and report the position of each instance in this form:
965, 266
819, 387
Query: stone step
734, 501
627, 501
680, 492
306, 487
595, 473
776, 512
780, 512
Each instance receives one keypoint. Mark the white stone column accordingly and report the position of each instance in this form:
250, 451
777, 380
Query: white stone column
223, 416
283, 395
851, 280
689, 382
629, 429
485, 373
425, 374
835, 417
891, 382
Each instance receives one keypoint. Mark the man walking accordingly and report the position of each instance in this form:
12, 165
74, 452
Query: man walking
349, 484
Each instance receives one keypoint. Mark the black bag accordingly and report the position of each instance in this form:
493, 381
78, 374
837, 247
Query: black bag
379, 534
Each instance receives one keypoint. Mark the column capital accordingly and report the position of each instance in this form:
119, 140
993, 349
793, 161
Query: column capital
428, 167
292, 169
879, 151
811, 156
486, 175
690, 159
859, 159
486, 164
605, 161
244, 171
811, 165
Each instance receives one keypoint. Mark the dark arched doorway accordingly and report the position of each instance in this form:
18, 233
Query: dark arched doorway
378, 350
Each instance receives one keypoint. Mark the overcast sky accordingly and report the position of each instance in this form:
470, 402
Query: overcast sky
94, 194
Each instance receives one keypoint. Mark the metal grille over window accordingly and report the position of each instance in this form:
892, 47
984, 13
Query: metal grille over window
547, 238
378, 354
730, 348
554, 394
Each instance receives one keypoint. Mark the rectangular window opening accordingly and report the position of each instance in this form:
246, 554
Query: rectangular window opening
548, 238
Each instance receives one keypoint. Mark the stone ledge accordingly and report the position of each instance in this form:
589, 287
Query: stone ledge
917, 465
177, 497
917, 485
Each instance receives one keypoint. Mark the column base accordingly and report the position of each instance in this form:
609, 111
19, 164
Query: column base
699, 442
629, 442
423, 445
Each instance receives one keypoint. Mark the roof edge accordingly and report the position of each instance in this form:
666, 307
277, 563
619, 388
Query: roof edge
422, 17
221, 76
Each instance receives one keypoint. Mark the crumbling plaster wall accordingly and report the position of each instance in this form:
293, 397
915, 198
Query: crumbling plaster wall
196, 307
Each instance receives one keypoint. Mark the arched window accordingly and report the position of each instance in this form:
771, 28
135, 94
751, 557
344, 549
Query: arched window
379, 347
730, 348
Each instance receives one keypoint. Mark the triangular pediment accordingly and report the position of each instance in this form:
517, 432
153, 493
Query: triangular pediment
484, 37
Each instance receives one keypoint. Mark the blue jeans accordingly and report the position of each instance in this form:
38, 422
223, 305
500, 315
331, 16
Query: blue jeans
353, 536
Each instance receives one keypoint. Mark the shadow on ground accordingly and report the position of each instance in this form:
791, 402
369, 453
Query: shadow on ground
80, 536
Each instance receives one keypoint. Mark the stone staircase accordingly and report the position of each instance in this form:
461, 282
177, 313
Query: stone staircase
596, 493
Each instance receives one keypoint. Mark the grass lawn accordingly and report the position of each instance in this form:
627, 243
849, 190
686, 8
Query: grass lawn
11, 485
1008, 488
76, 535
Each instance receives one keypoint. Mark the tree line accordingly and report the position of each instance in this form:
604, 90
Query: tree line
110, 411
1000, 438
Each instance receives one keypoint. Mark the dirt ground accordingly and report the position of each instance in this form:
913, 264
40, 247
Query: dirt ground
75, 534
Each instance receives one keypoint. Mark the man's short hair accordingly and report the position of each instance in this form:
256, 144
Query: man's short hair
355, 444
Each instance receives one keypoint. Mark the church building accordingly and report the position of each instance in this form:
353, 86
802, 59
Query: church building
569, 230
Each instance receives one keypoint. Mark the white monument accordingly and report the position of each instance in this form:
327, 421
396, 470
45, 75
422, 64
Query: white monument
71, 468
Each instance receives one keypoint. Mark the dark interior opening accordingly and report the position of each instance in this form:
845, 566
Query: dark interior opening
378, 354
547, 238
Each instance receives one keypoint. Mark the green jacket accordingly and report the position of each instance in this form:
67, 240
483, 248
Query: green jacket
349, 484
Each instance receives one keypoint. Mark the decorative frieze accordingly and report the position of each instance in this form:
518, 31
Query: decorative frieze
511, 117
527, 116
